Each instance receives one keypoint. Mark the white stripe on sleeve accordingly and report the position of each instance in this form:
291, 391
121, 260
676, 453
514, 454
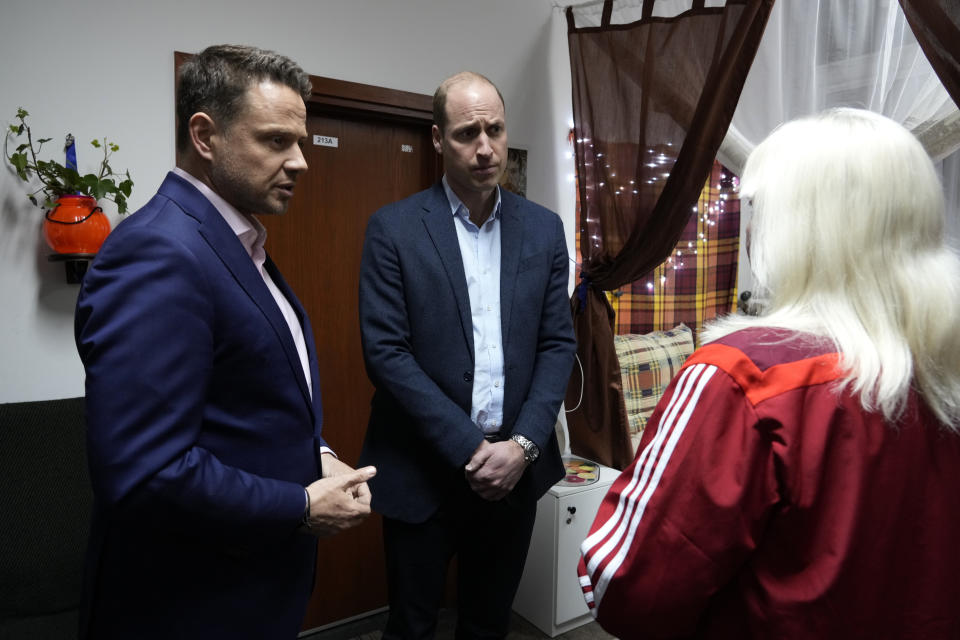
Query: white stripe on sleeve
641, 473
636, 496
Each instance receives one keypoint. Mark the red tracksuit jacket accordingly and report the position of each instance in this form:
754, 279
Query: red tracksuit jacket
763, 503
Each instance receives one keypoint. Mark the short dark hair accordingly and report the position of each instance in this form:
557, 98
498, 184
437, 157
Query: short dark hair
215, 81
440, 95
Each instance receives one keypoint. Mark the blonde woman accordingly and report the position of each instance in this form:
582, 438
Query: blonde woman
801, 476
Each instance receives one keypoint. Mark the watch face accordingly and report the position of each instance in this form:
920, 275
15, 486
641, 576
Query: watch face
530, 451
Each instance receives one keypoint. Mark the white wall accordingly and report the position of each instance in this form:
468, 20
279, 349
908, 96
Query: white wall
105, 67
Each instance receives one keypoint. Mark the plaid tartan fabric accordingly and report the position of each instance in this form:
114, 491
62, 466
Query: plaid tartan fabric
647, 364
699, 280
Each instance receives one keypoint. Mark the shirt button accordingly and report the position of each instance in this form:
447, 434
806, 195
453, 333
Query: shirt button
468, 376
496, 384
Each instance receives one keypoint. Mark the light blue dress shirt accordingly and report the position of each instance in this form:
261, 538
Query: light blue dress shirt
480, 251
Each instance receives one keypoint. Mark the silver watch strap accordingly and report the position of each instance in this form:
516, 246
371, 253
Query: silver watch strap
530, 450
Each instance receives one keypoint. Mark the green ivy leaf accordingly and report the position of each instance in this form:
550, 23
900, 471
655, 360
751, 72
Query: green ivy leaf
95, 143
19, 162
71, 176
90, 181
42, 140
15, 129
22, 113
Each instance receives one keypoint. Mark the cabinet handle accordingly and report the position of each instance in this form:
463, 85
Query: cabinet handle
572, 510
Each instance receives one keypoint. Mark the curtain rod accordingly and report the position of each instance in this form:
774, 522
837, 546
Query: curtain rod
557, 5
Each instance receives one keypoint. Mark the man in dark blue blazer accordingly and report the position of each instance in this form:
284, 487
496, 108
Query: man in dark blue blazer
467, 337
203, 403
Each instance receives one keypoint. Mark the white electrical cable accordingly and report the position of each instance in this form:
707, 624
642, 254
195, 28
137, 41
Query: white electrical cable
579, 364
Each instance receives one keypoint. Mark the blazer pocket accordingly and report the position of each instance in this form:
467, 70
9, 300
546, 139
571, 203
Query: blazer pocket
535, 260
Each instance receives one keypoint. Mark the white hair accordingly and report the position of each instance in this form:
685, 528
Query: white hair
847, 242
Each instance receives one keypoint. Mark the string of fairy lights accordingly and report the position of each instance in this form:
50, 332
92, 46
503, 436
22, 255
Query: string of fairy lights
708, 211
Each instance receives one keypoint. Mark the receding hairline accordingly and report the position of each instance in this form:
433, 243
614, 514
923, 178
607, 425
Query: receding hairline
465, 78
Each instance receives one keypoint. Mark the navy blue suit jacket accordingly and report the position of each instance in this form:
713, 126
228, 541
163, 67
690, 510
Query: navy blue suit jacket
202, 432
418, 347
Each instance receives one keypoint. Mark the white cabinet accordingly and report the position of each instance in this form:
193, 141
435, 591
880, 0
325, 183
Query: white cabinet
549, 595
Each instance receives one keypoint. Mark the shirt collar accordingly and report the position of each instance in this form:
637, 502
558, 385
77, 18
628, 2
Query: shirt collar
456, 203
251, 233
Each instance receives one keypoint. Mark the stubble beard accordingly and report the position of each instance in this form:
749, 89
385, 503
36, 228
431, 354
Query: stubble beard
232, 186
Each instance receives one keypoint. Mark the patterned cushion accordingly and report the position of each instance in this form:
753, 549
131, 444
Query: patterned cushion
647, 364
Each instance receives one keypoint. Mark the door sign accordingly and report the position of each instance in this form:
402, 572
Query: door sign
326, 141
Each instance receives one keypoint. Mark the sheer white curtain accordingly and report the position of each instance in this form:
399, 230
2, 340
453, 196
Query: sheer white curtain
817, 54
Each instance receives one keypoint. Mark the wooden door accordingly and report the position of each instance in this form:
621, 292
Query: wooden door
358, 162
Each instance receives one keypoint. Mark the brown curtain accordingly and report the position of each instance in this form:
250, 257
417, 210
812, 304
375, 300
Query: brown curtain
936, 24
651, 103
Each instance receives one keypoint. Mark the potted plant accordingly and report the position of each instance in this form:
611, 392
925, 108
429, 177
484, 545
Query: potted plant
74, 225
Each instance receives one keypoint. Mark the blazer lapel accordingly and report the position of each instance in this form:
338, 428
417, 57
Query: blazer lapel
440, 225
221, 238
313, 399
511, 239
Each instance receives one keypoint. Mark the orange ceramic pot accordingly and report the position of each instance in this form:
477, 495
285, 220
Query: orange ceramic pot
75, 225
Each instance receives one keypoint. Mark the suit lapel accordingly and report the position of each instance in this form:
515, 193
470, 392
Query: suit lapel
289, 347
440, 225
511, 239
221, 238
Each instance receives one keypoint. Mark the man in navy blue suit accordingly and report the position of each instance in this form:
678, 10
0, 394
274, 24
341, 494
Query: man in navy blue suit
209, 472
467, 337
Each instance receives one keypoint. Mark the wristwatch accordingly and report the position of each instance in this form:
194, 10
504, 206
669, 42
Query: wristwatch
305, 518
530, 450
